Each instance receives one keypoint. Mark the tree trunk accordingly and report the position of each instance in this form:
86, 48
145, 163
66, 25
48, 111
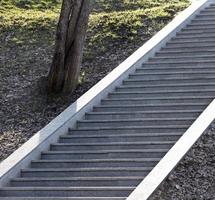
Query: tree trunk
71, 32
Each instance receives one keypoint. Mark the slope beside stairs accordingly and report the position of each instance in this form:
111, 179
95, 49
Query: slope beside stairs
119, 142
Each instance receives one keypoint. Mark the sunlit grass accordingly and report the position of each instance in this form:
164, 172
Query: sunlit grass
112, 21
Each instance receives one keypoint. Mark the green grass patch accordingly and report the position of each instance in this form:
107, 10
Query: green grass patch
108, 29
28, 26
112, 22
31, 4
123, 5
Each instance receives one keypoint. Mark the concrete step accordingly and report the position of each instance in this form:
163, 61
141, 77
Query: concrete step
158, 94
211, 7
86, 172
205, 16
179, 64
63, 198
152, 107
186, 49
177, 69
165, 87
202, 22
130, 153
107, 146
95, 163
157, 81
172, 53
187, 28
202, 25
189, 47
109, 138
171, 93
196, 32
130, 129
133, 122
78, 181
166, 75
177, 44
197, 38
208, 12
134, 101
65, 191
150, 70
182, 58
190, 44
142, 114
200, 42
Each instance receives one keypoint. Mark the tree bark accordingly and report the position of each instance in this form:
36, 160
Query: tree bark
71, 33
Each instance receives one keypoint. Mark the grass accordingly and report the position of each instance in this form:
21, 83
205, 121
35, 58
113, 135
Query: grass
111, 22
31, 4
114, 22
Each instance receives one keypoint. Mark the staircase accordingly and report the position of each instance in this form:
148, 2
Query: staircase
120, 141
